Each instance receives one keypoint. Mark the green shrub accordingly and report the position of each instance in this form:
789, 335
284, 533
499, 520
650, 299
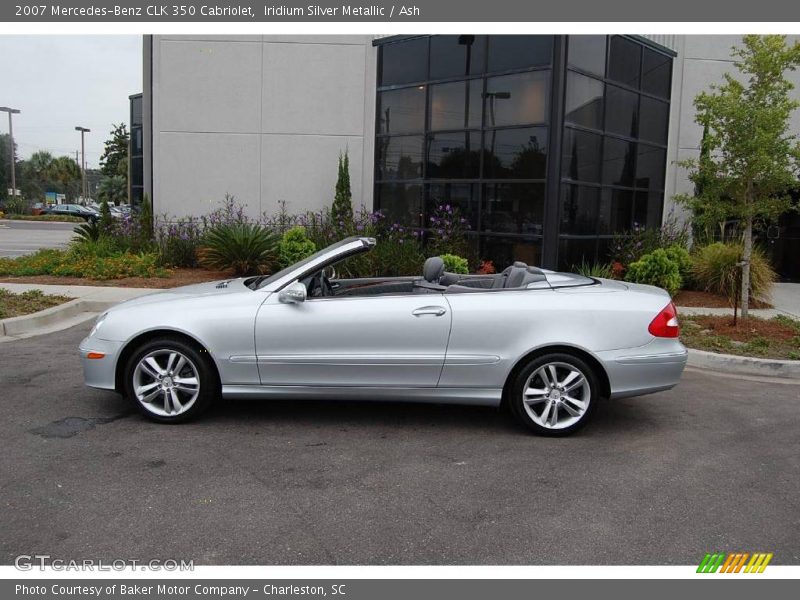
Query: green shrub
594, 270
102, 247
294, 247
455, 264
244, 248
715, 269
106, 220
88, 231
82, 263
657, 269
60, 218
680, 255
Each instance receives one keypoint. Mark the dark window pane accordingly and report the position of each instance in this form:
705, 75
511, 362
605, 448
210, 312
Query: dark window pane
656, 73
400, 157
622, 111
456, 105
457, 55
401, 203
650, 167
137, 194
136, 141
618, 162
516, 153
504, 251
137, 173
403, 62
647, 209
588, 53
615, 213
513, 208
573, 252
402, 111
584, 105
136, 112
454, 155
462, 195
655, 117
624, 61
508, 52
581, 160
579, 205
517, 99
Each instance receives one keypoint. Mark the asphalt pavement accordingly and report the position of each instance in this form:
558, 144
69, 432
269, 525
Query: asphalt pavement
713, 465
26, 237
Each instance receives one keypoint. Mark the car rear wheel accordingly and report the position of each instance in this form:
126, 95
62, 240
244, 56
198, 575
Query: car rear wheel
170, 381
554, 394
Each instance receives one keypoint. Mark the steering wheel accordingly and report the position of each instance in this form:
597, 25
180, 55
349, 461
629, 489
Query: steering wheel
319, 286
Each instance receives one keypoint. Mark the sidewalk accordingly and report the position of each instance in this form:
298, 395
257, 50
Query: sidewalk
84, 292
785, 299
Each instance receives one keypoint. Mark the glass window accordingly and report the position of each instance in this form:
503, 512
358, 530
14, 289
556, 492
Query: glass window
400, 157
513, 208
647, 209
515, 153
400, 202
584, 103
507, 52
654, 121
650, 167
656, 73
454, 155
137, 172
579, 206
402, 111
624, 61
573, 252
457, 55
504, 251
622, 111
136, 141
462, 195
615, 211
588, 53
619, 157
581, 158
136, 111
517, 99
403, 62
456, 105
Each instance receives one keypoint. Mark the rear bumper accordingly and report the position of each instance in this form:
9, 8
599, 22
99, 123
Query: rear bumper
654, 367
100, 372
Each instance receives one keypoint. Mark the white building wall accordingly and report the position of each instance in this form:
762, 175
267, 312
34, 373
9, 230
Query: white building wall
263, 118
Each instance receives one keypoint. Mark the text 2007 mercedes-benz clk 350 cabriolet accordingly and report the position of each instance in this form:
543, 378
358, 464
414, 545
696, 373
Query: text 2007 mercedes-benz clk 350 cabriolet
548, 344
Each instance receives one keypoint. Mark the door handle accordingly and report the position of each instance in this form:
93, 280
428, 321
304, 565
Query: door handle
436, 311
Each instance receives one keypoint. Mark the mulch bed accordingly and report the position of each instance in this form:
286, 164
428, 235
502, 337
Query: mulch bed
178, 278
709, 300
762, 338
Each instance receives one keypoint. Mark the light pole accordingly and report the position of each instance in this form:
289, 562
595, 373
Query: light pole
83, 131
11, 111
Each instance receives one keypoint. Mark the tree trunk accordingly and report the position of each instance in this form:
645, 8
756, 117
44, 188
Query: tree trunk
746, 254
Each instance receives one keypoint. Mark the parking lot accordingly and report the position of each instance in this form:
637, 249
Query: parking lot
26, 237
713, 465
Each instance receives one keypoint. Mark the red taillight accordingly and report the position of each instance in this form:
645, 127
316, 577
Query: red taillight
666, 323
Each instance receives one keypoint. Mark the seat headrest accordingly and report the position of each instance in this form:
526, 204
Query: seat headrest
516, 276
433, 269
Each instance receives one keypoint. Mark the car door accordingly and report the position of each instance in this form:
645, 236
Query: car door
391, 340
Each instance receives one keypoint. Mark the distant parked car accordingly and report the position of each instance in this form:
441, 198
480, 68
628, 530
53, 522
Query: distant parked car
73, 210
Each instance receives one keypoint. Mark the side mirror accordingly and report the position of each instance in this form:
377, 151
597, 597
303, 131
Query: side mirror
293, 293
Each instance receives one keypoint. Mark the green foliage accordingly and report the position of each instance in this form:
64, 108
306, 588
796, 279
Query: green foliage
15, 305
114, 161
15, 206
57, 218
113, 189
82, 263
342, 209
145, 220
455, 264
630, 246
106, 220
246, 248
601, 270
88, 231
294, 247
680, 256
715, 269
656, 268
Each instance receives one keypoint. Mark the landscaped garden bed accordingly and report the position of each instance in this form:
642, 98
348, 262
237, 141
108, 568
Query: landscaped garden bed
761, 338
174, 278
57, 218
16, 305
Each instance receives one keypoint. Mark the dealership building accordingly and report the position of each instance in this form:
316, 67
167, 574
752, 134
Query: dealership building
549, 145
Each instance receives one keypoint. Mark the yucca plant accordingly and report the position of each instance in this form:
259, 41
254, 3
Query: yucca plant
601, 270
245, 248
89, 231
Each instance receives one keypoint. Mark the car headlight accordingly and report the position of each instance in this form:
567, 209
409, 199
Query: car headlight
98, 324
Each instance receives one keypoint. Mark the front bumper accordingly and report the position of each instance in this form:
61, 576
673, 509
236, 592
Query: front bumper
100, 372
654, 367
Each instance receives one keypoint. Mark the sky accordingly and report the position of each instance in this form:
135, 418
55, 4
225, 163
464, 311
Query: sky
60, 81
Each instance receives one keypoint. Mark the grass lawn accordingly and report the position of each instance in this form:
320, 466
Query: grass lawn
761, 338
15, 305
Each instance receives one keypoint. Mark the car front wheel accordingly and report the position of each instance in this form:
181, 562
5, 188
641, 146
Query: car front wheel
170, 381
554, 394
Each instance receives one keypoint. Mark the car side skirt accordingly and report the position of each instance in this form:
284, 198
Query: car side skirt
469, 396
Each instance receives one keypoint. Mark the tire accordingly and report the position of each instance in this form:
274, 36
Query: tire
555, 410
170, 380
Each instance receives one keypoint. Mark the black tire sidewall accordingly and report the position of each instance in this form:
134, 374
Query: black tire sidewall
209, 384
515, 399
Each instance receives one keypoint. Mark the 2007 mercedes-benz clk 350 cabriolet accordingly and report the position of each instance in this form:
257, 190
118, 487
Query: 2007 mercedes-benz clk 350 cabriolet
548, 344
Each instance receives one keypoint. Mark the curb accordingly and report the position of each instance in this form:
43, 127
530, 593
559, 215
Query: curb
16, 326
744, 365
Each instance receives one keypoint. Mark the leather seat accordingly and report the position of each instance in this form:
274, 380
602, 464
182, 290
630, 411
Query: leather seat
432, 272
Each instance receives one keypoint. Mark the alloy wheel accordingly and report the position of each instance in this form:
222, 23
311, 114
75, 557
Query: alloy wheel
556, 395
166, 382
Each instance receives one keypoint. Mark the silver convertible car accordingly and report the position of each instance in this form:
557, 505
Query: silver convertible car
547, 345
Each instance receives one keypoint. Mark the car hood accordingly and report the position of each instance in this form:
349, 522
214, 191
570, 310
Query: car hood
211, 288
